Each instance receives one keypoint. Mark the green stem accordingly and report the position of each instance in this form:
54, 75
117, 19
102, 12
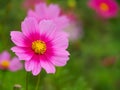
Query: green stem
38, 81
27, 81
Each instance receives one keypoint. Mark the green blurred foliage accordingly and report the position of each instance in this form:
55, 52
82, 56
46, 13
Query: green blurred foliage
91, 66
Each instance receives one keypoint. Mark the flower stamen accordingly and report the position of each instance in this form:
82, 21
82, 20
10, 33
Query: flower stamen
39, 46
104, 7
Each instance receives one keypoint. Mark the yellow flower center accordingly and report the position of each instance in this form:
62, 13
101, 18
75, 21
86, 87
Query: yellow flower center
5, 64
39, 47
104, 7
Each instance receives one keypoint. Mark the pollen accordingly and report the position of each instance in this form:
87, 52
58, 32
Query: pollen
104, 7
5, 64
39, 47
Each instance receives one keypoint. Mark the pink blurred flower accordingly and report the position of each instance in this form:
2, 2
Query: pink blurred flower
51, 12
105, 8
74, 29
41, 45
31, 3
9, 64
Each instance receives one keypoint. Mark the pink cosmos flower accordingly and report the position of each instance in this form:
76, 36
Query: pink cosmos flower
31, 3
41, 45
9, 64
105, 8
51, 12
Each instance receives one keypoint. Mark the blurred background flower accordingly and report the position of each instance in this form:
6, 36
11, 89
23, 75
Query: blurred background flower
74, 28
51, 12
6, 63
104, 8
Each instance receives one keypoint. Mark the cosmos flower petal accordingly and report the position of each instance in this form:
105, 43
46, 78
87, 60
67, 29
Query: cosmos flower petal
62, 22
58, 35
57, 42
37, 68
21, 49
24, 55
53, 11
33, 65
4, 56
29, 65
33, 14
19, 39
30, 27
15, 64
60, 40
59, 61
41, 10
47, 65
47, 12
65, 34
61, 53
47, 27
61, 57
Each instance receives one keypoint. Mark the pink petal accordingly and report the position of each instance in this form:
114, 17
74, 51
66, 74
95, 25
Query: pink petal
61, 53
33, 65
5, 56
58, 35
33, 14
62, 22
41, 10
21, 49
59, 61
30, 28
53, 11
29, 65
60, 41
47, 65
25, 55
60, 57
47, 27
19, 39
37, 68
15, 64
